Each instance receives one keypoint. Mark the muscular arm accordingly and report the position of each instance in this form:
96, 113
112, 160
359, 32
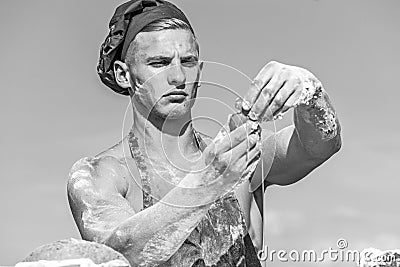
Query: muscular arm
295, 151
300, 148
96, 194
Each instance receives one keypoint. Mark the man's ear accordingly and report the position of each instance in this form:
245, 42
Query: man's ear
122, 76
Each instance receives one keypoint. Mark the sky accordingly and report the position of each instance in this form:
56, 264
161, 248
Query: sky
54, 111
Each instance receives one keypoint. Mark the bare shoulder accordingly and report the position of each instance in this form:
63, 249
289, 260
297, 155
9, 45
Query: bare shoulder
105, 171
96, 191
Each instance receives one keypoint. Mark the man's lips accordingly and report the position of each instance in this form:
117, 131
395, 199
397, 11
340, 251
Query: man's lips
176, 93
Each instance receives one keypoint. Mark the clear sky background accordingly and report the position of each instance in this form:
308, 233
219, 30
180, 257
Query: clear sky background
54, 110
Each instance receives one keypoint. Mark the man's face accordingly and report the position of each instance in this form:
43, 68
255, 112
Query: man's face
164, 72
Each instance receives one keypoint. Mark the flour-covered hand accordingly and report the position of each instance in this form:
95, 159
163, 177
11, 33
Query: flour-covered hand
277, 88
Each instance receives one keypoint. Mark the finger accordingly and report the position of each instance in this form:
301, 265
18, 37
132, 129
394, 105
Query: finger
267, 94
235, 120
292, 100
280, 98
228, 127
234, 138
247, 158
238, 104
227, 161
253, 151
244, 147
263, 77
254, 154
211, 150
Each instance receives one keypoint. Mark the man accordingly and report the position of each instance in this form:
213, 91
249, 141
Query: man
147, 203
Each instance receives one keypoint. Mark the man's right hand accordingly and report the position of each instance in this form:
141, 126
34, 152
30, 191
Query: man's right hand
228, 155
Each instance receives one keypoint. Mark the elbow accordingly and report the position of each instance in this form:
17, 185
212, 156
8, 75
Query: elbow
337, 140
338, 144
330, 149
118, 240
335, 145
321, 152
125, 243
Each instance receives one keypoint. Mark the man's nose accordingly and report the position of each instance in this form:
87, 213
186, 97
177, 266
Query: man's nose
176, 75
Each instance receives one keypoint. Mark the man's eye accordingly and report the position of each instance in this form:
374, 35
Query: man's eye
189, 62
159, 64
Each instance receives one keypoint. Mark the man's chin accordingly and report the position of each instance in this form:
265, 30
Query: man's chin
173, 110
177, 113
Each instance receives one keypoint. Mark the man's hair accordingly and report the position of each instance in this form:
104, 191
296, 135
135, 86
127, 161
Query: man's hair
159, 25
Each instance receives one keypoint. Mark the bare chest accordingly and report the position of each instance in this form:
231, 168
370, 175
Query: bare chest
157, 178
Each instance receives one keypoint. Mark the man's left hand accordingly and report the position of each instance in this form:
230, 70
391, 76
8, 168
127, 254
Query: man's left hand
275, 89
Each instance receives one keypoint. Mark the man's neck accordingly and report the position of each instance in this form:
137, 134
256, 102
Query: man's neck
160, 138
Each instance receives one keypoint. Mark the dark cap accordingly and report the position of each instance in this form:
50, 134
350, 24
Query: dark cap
128, 20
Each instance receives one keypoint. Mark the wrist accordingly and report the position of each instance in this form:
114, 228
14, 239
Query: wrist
312, 91
314, 108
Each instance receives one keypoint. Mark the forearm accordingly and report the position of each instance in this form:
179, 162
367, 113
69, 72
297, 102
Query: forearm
317, 124
299, 149
153, 235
